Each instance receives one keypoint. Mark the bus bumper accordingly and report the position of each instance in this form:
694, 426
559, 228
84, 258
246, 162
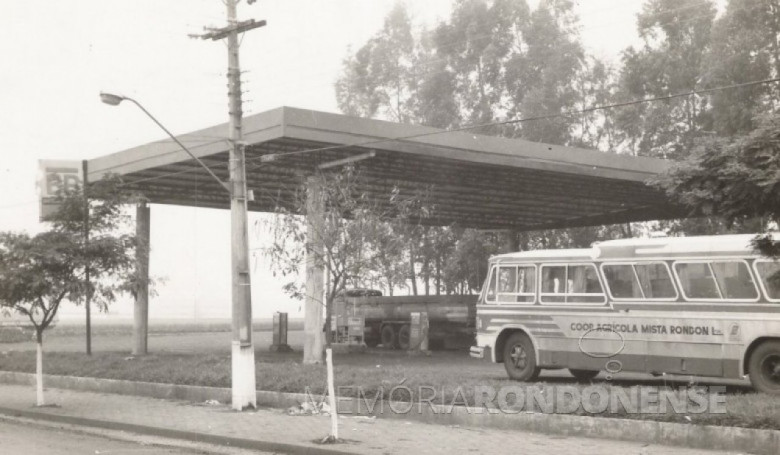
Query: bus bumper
481, 352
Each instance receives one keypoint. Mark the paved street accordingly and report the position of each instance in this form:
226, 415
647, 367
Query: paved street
23, 438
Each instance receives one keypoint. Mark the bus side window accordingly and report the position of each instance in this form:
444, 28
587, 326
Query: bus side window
585, 285
507, 284
662, 288
734, 280
516, 283
622, 281
526, 284
575, 283
553, 279
639, 281
655, 280
716, 280
769, 274
697, 280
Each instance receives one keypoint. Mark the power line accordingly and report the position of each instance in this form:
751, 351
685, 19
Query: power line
526, 119
422, 63
419, 66
482, 125
428, 62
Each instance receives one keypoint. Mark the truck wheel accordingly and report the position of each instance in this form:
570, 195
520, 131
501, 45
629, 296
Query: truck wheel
583, 375
372, 342
520, 358
388, 337
764, 367
403, 336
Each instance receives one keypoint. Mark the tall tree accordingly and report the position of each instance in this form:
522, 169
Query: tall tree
380, 78
745, 48
476, 43
676, 35
466, 267
542, 76
596, 85
737, 179
388, 264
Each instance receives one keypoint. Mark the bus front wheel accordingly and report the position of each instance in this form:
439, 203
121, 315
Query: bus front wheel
764, 367
520, 358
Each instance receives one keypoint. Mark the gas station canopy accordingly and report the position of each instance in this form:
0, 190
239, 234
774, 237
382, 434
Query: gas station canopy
472, 180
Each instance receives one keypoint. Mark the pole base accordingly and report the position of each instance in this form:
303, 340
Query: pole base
280, 348
243, 384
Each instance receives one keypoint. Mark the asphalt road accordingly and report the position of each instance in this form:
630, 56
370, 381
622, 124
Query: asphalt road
33, 439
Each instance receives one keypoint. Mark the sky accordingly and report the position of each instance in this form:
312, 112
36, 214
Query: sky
59, 55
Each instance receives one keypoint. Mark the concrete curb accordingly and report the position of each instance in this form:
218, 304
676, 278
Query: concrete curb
227, 441
667, 433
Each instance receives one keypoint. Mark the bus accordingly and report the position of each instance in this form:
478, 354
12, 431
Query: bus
702, 306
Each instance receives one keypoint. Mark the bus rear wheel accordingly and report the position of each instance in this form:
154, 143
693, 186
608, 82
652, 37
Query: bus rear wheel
583, 375
764, 367
520, 358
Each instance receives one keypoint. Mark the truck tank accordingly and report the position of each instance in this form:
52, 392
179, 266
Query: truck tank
387, 319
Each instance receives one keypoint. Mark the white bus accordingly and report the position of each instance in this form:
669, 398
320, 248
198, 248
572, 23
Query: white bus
704, 306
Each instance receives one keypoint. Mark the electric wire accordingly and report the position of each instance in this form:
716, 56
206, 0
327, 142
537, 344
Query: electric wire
489, 124
527, 119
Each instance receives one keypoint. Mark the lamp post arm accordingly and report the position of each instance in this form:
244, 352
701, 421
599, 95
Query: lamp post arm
222, 184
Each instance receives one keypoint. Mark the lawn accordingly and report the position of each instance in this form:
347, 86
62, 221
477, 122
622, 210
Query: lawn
444, 372
169, 326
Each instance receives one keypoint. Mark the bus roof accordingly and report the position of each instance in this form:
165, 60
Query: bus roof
561, 254
705, 245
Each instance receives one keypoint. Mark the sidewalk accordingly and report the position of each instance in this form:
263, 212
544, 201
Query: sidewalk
273, 430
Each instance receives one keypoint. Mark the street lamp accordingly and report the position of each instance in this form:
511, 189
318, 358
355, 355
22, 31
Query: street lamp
242, 354
110, 98
114, 100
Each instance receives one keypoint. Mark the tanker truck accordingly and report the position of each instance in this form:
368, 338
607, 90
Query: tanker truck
387, 320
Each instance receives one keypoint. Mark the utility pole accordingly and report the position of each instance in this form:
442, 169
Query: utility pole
242, 353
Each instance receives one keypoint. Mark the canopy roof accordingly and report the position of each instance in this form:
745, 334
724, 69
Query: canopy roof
473, 180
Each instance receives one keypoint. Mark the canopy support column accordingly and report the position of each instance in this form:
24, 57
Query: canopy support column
141, 307
313, 322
